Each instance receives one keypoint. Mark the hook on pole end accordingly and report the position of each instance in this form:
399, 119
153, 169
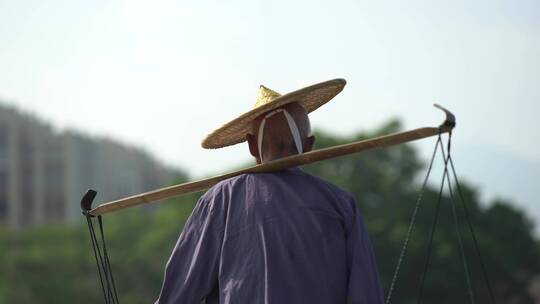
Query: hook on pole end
450, 121
87, 200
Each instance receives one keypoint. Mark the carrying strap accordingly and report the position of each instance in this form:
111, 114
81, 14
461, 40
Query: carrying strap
292, 127
108, 287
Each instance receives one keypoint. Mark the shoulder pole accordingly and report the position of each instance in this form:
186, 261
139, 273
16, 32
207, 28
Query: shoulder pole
279, 164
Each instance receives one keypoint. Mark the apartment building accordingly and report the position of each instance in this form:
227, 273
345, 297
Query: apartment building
44, 172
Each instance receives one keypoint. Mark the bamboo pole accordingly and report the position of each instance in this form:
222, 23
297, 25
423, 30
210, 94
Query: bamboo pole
276, 165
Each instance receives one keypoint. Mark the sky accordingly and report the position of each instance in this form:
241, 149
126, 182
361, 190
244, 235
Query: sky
162, 74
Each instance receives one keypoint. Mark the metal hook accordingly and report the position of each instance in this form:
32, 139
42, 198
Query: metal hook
86, 201
450, 120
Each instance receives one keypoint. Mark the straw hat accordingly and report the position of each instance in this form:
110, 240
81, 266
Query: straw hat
311, 98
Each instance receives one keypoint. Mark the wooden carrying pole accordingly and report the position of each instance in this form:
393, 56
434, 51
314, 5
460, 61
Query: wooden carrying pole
276, 165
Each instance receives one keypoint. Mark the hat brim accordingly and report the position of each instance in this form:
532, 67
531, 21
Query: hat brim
311, 98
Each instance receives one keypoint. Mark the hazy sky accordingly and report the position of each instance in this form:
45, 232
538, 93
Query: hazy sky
162, 74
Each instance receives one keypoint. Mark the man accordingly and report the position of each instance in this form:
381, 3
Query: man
279, 237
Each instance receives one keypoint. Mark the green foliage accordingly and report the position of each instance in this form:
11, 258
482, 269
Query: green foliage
55, 264
383, 181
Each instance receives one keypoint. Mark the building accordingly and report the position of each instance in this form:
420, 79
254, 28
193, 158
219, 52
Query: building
44, 173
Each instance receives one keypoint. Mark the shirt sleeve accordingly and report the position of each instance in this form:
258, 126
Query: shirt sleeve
192, 270
364, 285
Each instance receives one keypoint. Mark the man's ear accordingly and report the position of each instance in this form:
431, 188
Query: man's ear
252, 143
308, 143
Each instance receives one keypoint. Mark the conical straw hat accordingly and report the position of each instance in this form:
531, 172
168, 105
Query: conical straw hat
311, 98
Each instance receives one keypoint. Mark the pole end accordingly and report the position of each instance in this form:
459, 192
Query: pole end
87, 200
450, 121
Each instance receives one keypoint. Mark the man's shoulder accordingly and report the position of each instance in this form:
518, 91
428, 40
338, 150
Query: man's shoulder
239, 182
226, 185
329, 186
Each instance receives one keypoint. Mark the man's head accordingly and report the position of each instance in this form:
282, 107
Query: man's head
277, 134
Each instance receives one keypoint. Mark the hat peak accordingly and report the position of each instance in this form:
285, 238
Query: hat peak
265, 96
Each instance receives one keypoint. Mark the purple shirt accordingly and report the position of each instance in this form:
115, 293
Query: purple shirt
283, 237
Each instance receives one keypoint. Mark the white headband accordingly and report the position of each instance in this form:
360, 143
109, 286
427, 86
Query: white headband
292, 126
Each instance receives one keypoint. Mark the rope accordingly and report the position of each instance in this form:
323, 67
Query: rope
107, 262
432, 234
411, 225
102, 261
483, 267
458, 231
95, 247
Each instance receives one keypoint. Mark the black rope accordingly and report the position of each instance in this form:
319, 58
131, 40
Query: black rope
107, 262
458, 231
411, 225
105, 280
482, 265
103, 263
432, 234
94, 246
